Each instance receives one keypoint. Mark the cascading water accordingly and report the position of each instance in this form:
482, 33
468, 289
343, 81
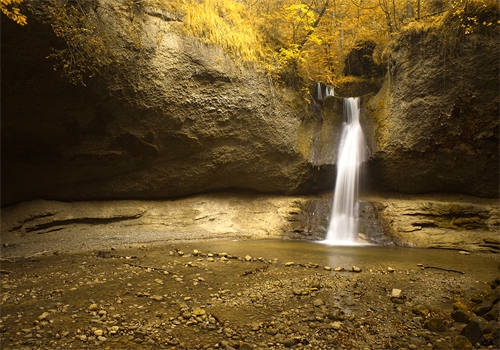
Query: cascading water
343, 226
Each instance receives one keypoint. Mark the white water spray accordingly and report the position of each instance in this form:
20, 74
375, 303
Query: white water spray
343, 226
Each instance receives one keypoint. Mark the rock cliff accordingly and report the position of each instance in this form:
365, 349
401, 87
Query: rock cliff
174, 118
435, 121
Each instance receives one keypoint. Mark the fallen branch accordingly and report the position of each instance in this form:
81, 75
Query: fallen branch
147, 267
21, 258
442, 269
258, 269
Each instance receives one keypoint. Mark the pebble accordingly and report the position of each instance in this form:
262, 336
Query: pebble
327, 268
98, 332
390, 269
461, 342
460, 315
43, 316
435, 325
289, 263
245, 346
318, 302
338, 268
356, 269
336, 325
420, 310
396, 293
157, 297
92, 307
248, 258
463, 252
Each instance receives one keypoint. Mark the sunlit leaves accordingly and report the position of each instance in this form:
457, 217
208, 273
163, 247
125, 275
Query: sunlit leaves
10, 9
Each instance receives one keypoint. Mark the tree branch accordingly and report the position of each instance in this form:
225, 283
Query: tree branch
315, 24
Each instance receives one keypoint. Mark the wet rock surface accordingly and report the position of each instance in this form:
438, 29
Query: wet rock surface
211, 300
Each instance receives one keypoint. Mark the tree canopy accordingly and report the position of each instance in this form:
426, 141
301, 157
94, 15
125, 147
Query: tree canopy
294, 41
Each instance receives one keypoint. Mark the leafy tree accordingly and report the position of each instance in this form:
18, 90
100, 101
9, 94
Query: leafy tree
293, 41
10, 9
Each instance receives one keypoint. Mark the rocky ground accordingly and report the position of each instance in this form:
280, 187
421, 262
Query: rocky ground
198, 296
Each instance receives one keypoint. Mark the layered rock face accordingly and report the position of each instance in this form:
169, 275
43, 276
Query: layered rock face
174, 118
434, 124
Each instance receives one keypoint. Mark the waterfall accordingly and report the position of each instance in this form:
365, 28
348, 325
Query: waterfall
343, 225
320, 95
330, 90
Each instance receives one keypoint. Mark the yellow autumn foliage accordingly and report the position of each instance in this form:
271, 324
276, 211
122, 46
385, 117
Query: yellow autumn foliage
10, 9
293, 41
226, 23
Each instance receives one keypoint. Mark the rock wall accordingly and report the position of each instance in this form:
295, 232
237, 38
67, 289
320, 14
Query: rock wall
435, 122
175, 118
36, 226
180, 117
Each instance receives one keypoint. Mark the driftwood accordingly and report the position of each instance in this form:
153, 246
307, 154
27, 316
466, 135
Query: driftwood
258, 269
158, 269
442, 269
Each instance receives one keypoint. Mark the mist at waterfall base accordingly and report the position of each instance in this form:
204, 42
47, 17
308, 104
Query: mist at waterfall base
343, 225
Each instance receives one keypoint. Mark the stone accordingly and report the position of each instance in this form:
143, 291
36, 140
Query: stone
318, 302
101, 338
98, 332
199, 312
356, 269
254, 326
461, 315
157, 297
336, 315
289, 342
248, 258
43, 316
327, 268
337, 325
482, 308
93, 307
396, 293
461, 342
435, 325
494, 313
390, 269
459, 305
338, 269
271, 331
420, 310
289, 263
473, 330
244, 346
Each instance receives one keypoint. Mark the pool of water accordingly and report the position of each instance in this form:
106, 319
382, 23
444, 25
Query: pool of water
483, 266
